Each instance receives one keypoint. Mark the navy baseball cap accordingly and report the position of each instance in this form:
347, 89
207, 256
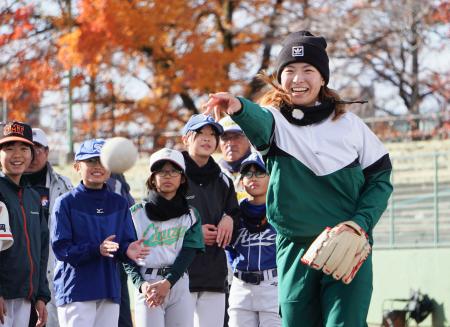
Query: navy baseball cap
89, 149
253, 159
198, 121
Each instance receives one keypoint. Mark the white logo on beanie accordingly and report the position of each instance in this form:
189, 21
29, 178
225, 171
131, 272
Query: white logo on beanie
297, 51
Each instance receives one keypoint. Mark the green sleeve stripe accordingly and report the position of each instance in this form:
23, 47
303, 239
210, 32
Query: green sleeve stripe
194, 236
136, 207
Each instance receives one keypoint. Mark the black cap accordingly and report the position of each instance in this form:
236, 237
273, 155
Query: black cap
303, 46
17, 132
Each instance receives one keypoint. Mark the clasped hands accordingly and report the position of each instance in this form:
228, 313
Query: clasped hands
155, 293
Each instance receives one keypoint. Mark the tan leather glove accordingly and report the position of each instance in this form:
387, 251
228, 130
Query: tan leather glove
339, 251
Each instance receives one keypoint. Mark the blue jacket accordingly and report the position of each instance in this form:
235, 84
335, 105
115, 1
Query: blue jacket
83, 219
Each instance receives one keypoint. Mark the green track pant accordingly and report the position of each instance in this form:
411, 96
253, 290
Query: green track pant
309, 298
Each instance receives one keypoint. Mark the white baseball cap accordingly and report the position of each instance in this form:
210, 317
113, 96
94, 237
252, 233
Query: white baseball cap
229, 125
40, 137
167, 154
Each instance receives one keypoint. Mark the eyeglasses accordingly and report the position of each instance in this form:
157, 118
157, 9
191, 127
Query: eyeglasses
92, 162
231, 136
257, 174
168, 172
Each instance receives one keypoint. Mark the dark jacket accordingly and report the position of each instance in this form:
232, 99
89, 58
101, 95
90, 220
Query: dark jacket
23, 266
212, 198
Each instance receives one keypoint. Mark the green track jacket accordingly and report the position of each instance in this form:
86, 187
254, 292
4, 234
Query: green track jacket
321, 174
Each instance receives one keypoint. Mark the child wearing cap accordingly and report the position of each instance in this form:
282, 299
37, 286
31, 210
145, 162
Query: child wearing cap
23, 265
235, 148
172, 230
253, 297
327, 170
212, 193
92, 230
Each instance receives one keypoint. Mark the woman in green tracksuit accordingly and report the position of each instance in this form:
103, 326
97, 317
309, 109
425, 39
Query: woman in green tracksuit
326, 168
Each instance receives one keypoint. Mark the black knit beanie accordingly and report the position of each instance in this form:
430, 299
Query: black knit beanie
302, 46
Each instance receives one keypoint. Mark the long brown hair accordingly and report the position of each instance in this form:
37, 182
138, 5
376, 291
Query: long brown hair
277, 96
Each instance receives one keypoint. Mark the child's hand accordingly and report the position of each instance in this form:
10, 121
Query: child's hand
41, 313
221, 102
138, 250
224, 231
150, 299
157, 292
144, 288
108, 247
209, 234
2, 310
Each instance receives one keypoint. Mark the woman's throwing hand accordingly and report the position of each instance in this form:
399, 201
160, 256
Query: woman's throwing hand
222, 102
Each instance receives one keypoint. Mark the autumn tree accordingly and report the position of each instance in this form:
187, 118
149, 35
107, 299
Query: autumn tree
175, 52
388, 43
177, 59
28, 62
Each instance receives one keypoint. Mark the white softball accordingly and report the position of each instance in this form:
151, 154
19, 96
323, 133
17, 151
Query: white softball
118, 154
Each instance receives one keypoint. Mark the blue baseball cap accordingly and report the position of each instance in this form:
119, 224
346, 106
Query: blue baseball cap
253, 159
89, 149
198, 121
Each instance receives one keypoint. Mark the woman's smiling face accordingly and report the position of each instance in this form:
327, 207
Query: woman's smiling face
302, 82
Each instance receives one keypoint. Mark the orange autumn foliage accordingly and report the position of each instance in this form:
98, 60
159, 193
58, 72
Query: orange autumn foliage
185, 46
24, 88
174, 40
178, 50
28, 68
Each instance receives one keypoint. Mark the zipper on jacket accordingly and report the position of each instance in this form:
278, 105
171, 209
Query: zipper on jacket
28, 243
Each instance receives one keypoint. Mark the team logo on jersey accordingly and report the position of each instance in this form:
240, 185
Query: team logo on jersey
100, 210
3, 227
167, 236
247, 239
297, 51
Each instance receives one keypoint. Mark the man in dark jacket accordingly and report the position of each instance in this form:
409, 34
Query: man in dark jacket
49, 184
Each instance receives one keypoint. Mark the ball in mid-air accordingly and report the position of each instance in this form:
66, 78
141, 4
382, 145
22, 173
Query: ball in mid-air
118, 154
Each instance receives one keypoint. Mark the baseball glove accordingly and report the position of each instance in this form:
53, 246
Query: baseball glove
339, 251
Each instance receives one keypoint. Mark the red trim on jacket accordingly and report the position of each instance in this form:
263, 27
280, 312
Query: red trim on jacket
28, 244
